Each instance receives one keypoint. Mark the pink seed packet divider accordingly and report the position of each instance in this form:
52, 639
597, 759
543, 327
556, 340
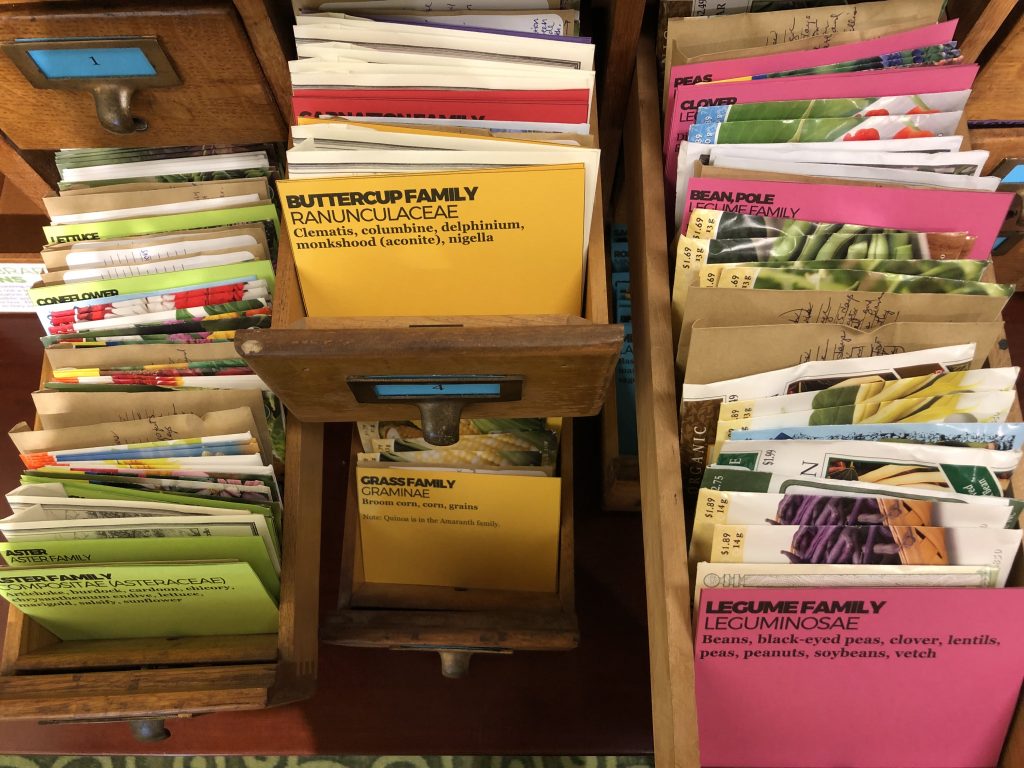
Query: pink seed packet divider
892, 82
689, 76
857, 677
918, 210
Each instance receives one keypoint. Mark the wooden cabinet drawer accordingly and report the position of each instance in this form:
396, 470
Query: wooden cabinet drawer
665, 545
565, 364
455, 622
224, 97
43, 678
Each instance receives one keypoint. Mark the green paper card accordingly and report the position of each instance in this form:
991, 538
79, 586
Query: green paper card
109, 601
104, 230
83, 552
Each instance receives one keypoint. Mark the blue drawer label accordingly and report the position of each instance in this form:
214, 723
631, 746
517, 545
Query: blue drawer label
1016, 176
480, 389
67, 63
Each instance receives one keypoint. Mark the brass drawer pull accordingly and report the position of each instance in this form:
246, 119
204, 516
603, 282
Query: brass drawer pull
112, 69
439, 398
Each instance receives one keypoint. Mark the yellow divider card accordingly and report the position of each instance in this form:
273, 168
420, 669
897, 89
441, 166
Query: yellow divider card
483, 242
459, 529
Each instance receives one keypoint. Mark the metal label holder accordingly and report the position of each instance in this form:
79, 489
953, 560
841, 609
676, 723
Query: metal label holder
440, 399
112, 94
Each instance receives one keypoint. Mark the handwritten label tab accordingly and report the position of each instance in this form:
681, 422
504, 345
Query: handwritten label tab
861, 311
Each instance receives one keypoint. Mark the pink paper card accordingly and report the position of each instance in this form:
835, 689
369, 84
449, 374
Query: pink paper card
687, 76
918, 210
876, 83
857, 677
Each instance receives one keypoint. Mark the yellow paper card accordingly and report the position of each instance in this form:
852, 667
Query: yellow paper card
459, 529
503, 241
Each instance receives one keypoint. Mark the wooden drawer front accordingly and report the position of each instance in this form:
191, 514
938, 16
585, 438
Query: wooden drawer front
567, 364
223, 99
566, 369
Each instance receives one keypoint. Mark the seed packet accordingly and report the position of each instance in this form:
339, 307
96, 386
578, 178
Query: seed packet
953, 271
873, 391
712, 575
984, 406
950, 101
995, 437
868, 545
791, 278
700, 403
739, 508
514, 434
973, 471
819, 129
721, 237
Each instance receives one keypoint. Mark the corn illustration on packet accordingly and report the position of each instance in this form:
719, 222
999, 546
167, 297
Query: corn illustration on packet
700, 403
972, 471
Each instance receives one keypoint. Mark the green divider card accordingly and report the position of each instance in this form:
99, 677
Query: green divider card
248, 549
173, 222
105, 601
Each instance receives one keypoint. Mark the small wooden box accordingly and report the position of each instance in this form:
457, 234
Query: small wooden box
566, 365
665, 547
43, 678
454, 622
234, 90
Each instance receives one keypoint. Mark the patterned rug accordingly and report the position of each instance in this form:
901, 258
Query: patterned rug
326, 761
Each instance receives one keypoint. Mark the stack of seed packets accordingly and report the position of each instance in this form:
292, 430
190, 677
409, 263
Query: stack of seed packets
881, 462
395, 71
848, 412
692, 31
556, 18
872, 110
155, 258
160, 527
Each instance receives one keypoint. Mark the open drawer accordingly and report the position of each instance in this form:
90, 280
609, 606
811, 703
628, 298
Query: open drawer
43, 678
233, 78
665, 546
332, 369
455, 622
